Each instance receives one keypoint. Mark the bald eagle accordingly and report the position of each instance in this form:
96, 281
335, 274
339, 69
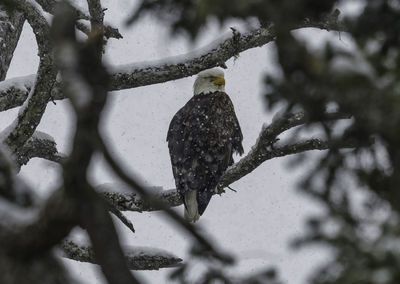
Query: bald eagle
202, 137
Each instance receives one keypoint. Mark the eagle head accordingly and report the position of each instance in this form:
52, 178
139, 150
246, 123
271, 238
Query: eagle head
209, 81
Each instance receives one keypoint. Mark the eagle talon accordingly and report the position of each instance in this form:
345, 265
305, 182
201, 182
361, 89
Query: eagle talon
219, 190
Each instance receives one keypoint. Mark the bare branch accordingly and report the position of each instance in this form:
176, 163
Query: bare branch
121, 217
39, 24
264, 150
137, 258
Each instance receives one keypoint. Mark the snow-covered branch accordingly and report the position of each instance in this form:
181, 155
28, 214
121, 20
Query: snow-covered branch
137, 258
50, 5
38, 22
141, 74
30, 115
130, 201
40, 145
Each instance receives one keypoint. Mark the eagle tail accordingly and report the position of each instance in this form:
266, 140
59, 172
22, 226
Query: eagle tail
191, 213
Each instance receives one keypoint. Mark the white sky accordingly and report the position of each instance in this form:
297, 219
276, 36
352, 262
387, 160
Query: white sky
256, 223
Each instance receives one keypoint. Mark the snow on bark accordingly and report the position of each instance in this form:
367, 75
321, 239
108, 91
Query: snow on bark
216, 54
46, 15
142, 74
124, 199
137, 258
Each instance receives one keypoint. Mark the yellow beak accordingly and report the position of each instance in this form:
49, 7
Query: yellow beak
219, 81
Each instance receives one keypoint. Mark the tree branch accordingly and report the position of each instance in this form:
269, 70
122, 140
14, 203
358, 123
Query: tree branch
130, 201
39, 146
264, 150
85, 82
29, 117
50, 6
11, 189
33, 233
11, 24
134, 75
137, 258
121, 217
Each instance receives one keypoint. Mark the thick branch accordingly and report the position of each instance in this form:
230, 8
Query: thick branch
125, 77
132, 76
10, 29
137, 258
30, 116
39, 24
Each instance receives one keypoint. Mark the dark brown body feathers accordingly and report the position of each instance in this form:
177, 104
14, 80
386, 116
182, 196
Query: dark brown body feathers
202, 137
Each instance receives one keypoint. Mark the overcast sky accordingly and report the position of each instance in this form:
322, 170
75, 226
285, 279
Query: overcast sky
256, 223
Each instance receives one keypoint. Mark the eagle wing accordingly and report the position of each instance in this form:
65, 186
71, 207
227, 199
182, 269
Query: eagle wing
202, 138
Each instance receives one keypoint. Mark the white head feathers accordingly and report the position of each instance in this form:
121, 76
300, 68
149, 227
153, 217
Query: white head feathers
209, 81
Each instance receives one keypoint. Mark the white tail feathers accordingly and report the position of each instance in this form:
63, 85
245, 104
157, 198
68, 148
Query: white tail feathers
191, 213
